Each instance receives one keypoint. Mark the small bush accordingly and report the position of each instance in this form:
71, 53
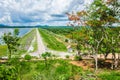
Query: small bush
66, 40
67, 56
78, 58
46, 54
28, 57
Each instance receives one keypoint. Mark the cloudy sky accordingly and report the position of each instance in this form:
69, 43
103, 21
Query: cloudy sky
38, 12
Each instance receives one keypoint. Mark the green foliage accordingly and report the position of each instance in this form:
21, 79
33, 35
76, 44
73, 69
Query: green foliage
28, 57
16, 32
46, 54
100, 14
110, 75
12, 41
8, 73
66, 40
61, 69
58, 70
59, 30
67, 56
3, 50
14, 69
40, 67
24, 67
51, 41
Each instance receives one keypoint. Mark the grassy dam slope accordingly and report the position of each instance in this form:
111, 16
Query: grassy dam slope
27, 40
51, 41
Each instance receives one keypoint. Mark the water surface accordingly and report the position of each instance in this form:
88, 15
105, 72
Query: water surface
22, 31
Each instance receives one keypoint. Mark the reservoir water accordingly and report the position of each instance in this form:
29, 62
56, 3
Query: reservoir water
22, 31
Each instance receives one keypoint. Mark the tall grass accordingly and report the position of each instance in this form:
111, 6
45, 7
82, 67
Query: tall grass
3, 50
112, 75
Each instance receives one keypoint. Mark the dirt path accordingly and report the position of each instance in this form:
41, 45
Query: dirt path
61, 54
40, 45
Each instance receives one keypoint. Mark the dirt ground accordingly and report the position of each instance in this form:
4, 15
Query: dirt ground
88, 64
84, 64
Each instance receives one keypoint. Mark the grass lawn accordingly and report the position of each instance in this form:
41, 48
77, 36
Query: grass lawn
3, 50
51, 41
109, 75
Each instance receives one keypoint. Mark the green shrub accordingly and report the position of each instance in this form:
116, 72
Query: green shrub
8, 73
77, 58
66, 40
46, 55
67, 56
58, 70
61, 69
27, 57
40, 67
25, 67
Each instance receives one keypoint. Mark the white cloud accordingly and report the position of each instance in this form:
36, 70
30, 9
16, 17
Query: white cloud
59, 6
6, 19
28, 12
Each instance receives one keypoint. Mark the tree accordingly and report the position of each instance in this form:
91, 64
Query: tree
112, 40
12, 41
76, 20
98, 16
45, 56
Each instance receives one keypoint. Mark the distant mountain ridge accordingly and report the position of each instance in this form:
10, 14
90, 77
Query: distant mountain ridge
2, 25
46, 26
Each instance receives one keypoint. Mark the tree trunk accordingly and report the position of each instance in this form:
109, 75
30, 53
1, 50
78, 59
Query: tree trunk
9, 56
45, 62
96, 59
79, 53
114, 64
96, 62
96, 52
118, 59
105, 56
